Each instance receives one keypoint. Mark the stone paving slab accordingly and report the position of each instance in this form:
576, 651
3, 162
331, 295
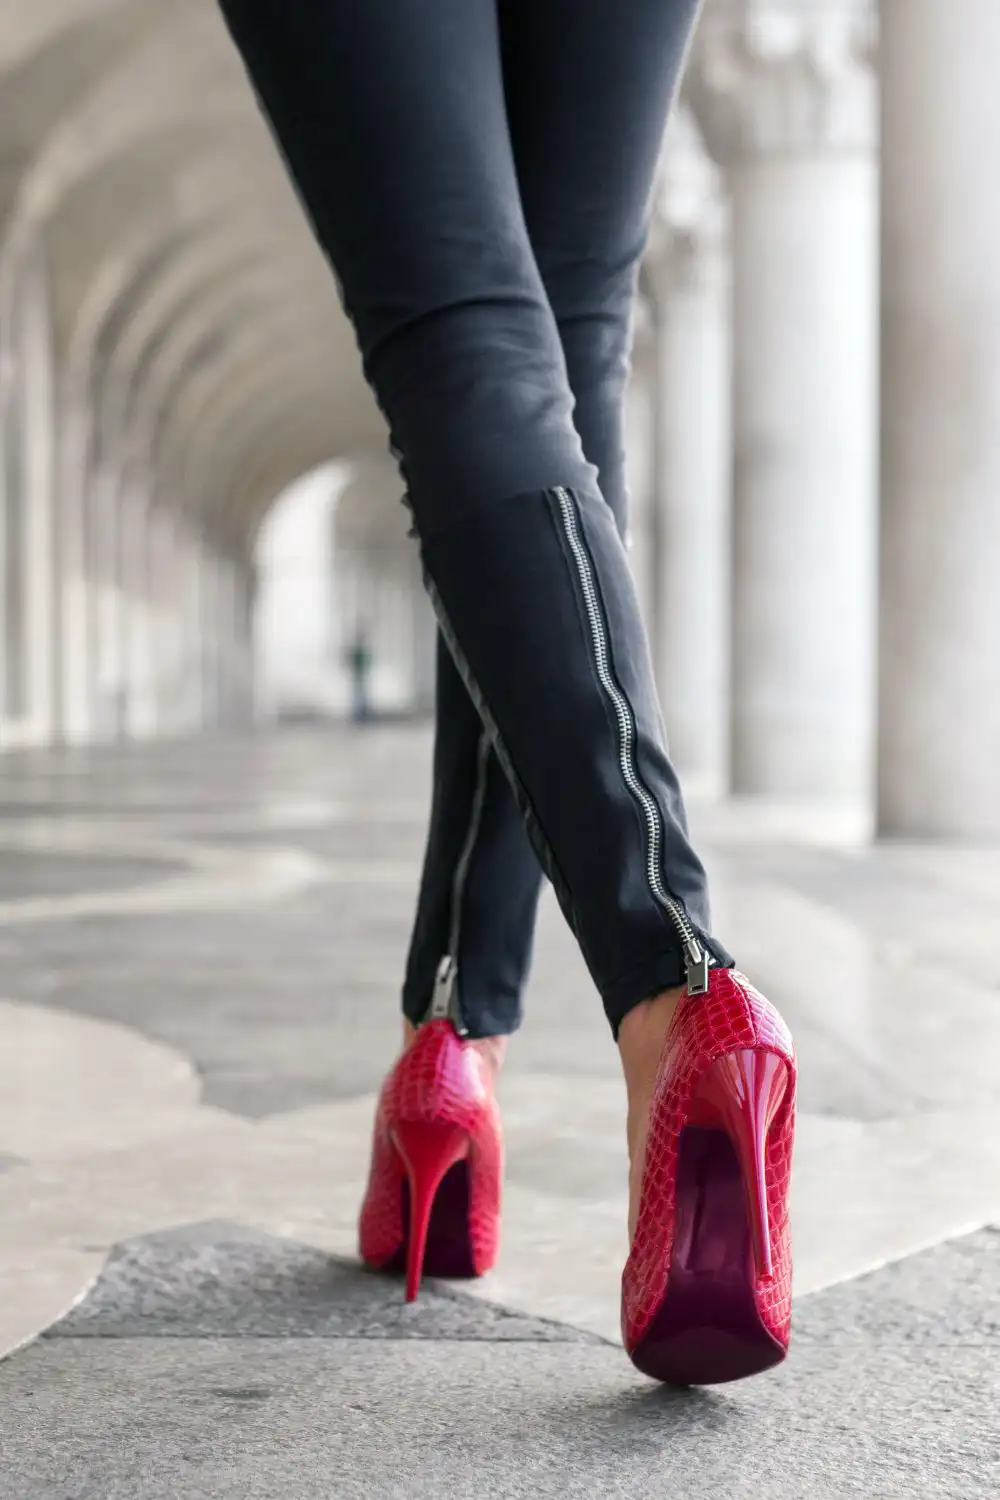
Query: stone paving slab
210, 1281
891, 1393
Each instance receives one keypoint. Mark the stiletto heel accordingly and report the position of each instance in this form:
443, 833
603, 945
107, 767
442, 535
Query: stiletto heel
741, 1094
428, 1150
706, 1290
432, 1203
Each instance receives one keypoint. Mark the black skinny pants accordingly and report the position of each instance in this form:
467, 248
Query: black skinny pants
478, 173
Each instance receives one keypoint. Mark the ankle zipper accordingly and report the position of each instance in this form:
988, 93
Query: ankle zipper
696, 959
445, 1004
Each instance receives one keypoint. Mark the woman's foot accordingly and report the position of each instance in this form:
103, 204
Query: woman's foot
641, 1038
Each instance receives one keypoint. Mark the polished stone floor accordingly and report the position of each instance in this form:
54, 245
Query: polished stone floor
200, 948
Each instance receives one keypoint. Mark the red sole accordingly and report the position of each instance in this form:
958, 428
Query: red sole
708, 1330
448, 1252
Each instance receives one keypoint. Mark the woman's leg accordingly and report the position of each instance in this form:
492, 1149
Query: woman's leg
393, 119
586, 221
584, 176
479, 890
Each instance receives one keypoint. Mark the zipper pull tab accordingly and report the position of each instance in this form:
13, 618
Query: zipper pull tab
444, 989
444, 1000
696, 967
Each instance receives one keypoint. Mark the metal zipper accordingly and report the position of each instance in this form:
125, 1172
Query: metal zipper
444, 1000
696, 959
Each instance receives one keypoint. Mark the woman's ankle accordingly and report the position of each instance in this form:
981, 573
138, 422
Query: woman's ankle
641, 1037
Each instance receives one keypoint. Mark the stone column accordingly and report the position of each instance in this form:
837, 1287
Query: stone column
40, 488
11, 527
104, 519
687, 274
939, 697
215, 609
786, 98
244, 685
164, 616
27, 448
192, 685
75, 686
135, 618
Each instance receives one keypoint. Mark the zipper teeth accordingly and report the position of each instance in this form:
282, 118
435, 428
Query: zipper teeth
468, 848
444, 1000
626, 724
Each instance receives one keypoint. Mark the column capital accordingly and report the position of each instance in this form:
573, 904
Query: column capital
689, 231
784, 78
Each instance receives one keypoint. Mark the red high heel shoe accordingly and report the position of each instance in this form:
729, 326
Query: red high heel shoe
706, 1290
433, 1196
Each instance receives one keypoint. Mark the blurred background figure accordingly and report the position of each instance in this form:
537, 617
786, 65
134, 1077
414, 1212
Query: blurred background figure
359, 663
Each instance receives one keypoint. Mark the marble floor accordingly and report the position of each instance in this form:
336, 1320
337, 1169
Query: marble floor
200, 948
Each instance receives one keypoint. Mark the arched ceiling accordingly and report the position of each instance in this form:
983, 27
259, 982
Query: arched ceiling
195, 324
191, 309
